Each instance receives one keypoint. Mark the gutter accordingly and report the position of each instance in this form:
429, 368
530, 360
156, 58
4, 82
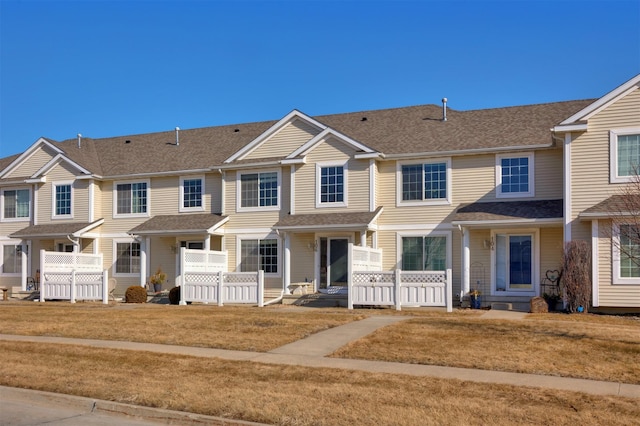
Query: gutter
466, 151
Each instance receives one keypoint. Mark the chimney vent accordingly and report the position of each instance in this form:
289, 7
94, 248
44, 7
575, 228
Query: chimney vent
444, 109
177, 136
79, 140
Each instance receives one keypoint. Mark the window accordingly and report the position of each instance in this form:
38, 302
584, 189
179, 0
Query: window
191, 190
131, 198
424, 183
259, 255
332, 185
62, 200
12, 259
127, 258
514, 262
626, 254
259, 190
625, 154
514, 176
16, 204
424, 253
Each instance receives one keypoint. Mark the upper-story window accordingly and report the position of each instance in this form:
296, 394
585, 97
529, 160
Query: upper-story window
132, 198
191, 194
424, 183
625, 154
514, 175
62, 200
332, 185
259, 191
16, 204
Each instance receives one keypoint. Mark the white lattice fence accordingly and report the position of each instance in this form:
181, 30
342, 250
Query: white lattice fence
401, 288
365, 258
72, 276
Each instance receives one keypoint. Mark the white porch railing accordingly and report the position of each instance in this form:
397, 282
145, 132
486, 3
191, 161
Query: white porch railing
73, 276
365, 258
401, 288
205, 279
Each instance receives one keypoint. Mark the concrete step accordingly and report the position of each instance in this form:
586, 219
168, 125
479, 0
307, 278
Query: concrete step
317, 300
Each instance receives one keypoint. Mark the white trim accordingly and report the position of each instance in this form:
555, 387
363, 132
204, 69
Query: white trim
345, 185
531, 192
25, 155
424, 202
324, 136
239, 208
416, 227
615, 256
535, 258
54, 186
253, 145
595, 270
260, 236
613, 153
114, 191
56, 161
16, 219
223, 191
372, 185
181, 207
292, 190
567, 188
92, 198
114, 248
570, 128
462, 152
422, 233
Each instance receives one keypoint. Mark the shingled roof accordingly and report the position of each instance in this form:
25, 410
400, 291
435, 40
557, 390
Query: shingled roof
55, 230
324, 220
397, 131
180, 224
509, 210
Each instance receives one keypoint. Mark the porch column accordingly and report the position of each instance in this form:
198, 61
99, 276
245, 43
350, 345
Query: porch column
363, 238
466, 262
143, 262
595, 293
207, 242
24, 265
286, 276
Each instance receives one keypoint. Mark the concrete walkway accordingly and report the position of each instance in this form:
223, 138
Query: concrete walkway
312, 352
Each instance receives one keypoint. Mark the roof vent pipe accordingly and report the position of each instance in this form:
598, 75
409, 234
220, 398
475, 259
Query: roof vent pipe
177, 136
79, 140
444, 109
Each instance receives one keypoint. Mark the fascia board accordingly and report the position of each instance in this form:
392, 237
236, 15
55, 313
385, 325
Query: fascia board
27, 154
465, 152
87, 228
158, 174
213, 229
251, 146
596, 106
570, 128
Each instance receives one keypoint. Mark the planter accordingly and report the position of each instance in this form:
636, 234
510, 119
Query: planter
157, 288
475, 302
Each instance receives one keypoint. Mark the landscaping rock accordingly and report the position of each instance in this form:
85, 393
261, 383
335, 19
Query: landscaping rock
539, 306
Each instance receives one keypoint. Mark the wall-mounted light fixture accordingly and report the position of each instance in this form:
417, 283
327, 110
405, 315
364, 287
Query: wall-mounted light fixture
488, 244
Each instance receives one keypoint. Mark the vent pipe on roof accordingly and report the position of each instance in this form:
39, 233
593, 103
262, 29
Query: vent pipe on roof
177, 136
79, 140
444, 109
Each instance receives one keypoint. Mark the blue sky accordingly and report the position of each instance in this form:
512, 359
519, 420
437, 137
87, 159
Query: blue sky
127, 67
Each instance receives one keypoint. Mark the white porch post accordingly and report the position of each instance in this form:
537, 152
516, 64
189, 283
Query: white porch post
24, 265
595, 293
207, 242
143, 262
466, 263
286, 276
363, 238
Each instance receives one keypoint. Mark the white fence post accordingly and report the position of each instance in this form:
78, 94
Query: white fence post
72, 290
220, 288
181, 261
105, 287
42, 276
260, 288
449, 290
398, 284
350, 278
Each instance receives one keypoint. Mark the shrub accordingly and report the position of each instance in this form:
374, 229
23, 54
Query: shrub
576, 275
135, 294
174, 296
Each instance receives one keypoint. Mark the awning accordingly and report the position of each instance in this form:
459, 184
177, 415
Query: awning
204, 223
509, 213
615, 206
329, 221
57, 230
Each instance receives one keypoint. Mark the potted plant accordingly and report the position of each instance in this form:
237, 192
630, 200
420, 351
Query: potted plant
474, 299
157, 279
552, 300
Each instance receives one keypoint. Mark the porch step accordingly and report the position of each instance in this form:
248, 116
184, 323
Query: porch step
317, 300
502, 306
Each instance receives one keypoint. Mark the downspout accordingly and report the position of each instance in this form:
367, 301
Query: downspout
76, 242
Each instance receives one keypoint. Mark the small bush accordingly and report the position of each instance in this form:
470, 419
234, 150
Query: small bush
174, 296
576, 275
135, 294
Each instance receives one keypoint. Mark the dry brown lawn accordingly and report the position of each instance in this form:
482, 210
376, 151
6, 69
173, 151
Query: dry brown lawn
286, 395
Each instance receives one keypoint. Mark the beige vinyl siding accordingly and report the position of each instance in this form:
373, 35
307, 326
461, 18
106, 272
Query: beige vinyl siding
98, 196
548, 174
285, 141
212, 199
117, 225
357, 187
35, 162
302, 258
551, 248
163, 195
480, 267
63, 173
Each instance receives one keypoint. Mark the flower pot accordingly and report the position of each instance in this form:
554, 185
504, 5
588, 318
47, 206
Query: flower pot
157, 288
475, 302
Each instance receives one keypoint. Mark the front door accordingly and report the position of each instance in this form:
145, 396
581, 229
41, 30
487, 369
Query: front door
514, 262
333, 264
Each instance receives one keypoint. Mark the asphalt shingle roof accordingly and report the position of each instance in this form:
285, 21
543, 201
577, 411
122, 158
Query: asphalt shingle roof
51, 230
505, 210
359, 219
184, 223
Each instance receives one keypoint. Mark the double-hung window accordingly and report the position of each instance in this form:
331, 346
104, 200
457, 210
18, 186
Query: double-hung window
62, 199
259, 254
127, 258
16, 204
626, 254
514, 175
424, 253
625, 154
12, 259
191, 194
332, 185
424, 183
132, 198
259, 191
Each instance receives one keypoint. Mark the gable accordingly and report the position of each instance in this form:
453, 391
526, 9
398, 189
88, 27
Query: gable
624, 112
286, 140
330, 149
30, 164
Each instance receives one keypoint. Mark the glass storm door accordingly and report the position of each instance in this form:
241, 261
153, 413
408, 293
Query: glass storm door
514, 262
333, 263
